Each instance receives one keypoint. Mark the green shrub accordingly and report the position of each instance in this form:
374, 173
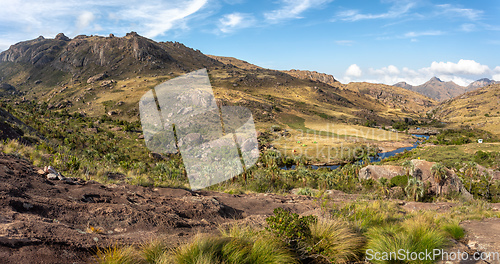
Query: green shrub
400, 180
306, 191
290, 226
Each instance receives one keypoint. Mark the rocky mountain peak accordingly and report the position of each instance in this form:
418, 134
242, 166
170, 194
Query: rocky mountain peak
435, 79
61, 36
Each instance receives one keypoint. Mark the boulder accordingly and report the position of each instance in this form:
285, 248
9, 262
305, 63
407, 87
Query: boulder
7, 87
380, 171
97, 77
107, 83
493, 173
422, 171
52, 176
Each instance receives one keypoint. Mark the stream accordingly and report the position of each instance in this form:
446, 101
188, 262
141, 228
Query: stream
380, 156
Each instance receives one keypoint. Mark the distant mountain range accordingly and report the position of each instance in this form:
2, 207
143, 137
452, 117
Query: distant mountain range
441, 91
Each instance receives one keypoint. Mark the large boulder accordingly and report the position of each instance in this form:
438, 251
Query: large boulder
376, 172
421, 171
493, 173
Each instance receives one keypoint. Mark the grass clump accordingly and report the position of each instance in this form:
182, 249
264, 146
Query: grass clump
365, 214
332, 240
453, 230
117, 255
404, 243
248, 250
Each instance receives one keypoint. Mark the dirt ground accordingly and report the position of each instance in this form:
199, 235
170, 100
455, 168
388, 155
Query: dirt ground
52, 221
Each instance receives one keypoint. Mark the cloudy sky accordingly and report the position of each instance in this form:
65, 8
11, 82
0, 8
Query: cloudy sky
378, 41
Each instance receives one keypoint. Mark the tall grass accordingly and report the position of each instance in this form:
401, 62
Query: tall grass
332, 240
118, 255
415, 235
251, 250
365, 214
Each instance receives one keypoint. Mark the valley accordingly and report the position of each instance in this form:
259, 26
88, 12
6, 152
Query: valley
73, 104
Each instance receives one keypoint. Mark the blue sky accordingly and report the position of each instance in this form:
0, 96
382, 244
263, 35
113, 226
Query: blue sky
378, 41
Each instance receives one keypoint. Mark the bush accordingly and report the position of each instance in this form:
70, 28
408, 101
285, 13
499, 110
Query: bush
401, 181
290, 226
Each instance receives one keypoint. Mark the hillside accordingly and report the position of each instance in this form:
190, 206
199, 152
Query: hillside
96, 75
435, 89
315, 76
480, 83
478, 109
235, 62
394, 97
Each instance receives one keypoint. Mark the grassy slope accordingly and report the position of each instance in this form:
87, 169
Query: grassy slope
478, 109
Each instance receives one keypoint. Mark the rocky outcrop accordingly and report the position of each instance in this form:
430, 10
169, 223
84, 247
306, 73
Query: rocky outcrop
423, 131
376, 172
494, 174
421, 171
314, 75
97, 77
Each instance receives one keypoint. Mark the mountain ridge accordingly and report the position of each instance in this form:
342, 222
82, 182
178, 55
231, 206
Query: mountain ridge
97, 76
440, 90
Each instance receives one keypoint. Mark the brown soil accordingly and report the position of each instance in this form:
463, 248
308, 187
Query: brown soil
43, 221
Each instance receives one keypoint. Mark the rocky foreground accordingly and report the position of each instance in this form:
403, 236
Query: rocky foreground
64, 221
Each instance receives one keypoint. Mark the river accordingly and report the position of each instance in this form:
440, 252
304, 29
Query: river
379, 157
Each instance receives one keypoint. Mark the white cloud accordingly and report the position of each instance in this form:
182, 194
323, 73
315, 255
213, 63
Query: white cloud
31, 18
423, 33
455, 11
462, 73
468, 27
397, 10
158, 19
463, 67
292, 9
389, 70
354, 71
231, 22
84, 19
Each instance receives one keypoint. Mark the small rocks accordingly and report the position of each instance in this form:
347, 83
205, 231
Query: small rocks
107, 83
97, 77
52, 176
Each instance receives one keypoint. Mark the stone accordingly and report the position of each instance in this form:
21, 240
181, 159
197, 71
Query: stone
97, 77
61, 36
422, 171
52, 176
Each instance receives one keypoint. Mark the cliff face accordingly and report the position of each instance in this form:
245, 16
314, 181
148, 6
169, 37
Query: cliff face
315, 76
83, 54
